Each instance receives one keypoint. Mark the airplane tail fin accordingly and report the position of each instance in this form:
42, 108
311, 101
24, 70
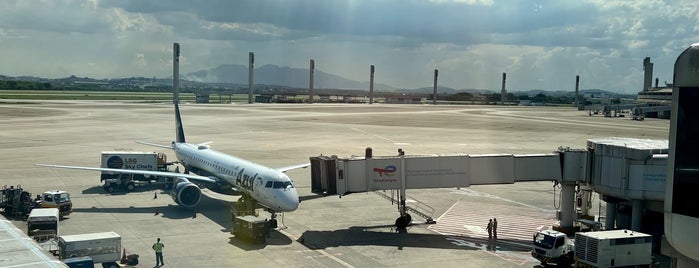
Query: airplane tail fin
179, 130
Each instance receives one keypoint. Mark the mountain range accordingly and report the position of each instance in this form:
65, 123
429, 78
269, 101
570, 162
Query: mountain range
298, 78
275, 75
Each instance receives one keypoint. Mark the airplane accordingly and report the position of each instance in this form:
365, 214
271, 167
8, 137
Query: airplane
260, 185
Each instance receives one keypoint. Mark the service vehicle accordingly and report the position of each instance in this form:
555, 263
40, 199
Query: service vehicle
614, 248
16, 202
149, 161
550, 246
42, 226
55, 199
104, 248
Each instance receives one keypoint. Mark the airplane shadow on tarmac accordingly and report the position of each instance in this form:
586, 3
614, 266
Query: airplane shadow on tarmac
388, 236
169, 211
274, 238
145, 187
216, 210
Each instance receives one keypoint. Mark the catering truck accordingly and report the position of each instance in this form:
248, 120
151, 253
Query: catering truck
150, 161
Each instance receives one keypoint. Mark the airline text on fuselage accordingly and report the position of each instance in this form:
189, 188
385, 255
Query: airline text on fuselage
245, 180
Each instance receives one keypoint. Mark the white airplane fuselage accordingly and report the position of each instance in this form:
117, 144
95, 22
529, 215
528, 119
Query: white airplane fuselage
269, 187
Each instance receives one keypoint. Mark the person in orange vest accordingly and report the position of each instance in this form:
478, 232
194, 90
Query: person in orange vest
158, 247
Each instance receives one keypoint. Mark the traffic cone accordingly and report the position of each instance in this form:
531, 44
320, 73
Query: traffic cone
123, 257
195, 215
155, 196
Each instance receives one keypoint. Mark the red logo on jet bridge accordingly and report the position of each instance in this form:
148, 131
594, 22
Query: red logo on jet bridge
388, 171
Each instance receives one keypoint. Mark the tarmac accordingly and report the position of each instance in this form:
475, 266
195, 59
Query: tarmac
355, 230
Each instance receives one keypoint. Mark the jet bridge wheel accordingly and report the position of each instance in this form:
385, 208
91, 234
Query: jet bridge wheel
402, 222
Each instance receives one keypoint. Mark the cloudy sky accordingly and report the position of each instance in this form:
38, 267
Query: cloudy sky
539, 43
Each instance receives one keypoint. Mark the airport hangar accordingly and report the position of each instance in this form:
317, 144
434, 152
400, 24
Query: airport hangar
326, 231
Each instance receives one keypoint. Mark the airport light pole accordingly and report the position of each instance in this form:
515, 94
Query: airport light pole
176, 72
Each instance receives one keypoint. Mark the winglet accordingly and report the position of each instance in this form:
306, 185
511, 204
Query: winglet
287, 168
156, 145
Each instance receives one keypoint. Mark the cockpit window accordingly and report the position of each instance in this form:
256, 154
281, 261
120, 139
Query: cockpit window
268, 184
283, 184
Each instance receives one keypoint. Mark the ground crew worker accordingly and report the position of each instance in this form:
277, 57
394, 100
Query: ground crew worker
490, 229
158, 248
495, 228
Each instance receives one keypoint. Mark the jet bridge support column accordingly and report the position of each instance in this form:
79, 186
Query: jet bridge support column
636, 214
567, 204
610, 215
573, 167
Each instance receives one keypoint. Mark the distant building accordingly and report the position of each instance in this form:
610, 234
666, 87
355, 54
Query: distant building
403, 99
202, 97
264, 98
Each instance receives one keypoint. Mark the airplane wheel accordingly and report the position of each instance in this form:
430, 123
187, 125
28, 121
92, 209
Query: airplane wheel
130, 186
109, 188
167, 186
402, 222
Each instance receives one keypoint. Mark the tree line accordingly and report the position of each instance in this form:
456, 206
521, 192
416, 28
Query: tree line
492, 98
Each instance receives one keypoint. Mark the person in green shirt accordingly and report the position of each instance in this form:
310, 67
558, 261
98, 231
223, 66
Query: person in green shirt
158, 247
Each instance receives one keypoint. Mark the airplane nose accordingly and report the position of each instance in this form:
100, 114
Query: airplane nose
292, 201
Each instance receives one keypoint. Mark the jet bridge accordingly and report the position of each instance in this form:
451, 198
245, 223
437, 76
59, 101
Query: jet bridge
332, 175
626, 172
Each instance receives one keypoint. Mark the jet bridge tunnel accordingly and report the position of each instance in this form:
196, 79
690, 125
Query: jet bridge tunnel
626, 172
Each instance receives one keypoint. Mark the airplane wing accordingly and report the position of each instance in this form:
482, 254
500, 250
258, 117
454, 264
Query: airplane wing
287, 168
134, 171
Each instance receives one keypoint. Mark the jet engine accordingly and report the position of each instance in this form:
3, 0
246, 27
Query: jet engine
185, 193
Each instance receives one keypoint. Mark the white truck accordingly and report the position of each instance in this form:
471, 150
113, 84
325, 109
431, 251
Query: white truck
42, 226
615, 248
551, 246
150, 161
102, 248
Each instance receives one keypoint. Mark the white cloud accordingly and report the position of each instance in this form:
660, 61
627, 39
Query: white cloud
540, 44
140, 60
468, 2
